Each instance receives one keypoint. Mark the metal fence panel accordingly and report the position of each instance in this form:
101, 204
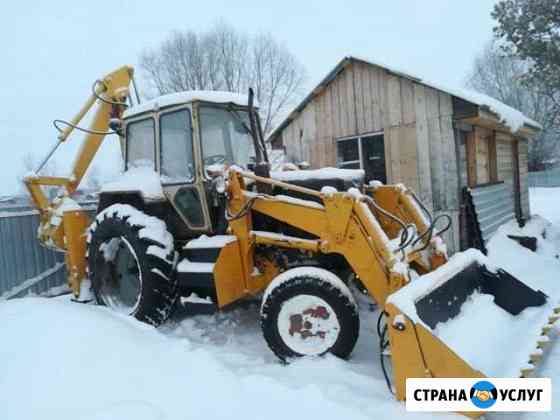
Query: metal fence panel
23, 261
494, 206
548, 178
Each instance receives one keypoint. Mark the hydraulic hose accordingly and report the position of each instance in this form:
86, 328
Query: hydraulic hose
405, 240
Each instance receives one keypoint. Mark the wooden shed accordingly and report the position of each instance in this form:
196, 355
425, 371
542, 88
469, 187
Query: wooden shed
400, 128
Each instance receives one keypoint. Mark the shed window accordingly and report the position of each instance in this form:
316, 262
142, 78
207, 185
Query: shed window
365, 152
348, 153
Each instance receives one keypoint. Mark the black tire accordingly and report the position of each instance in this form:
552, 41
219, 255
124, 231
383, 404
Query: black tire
157, 282
296, 282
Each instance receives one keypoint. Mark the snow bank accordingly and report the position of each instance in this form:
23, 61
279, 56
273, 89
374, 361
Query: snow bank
141, 178
220, 97
105, 366
546, 202
540, 269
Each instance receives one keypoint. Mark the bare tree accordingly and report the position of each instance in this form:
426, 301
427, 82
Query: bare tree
501, 76
226, 59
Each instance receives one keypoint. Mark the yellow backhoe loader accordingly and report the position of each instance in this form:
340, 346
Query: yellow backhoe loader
198, 211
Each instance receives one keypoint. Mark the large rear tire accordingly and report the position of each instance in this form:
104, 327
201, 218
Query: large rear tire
309, 312
131, 264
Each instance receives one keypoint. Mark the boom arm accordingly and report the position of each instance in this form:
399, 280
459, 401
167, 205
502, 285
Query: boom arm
63, 223
343, 224
109, 93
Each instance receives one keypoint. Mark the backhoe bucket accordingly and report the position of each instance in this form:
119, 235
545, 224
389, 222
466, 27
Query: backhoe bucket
467, 319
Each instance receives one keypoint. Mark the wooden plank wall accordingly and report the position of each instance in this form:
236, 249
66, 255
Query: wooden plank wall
482, 138
523, 147
416, 121
462, 155
505, 162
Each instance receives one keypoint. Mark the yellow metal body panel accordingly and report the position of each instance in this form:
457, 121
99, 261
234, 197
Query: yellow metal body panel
417, 353
228, 271
343, 225
75, 224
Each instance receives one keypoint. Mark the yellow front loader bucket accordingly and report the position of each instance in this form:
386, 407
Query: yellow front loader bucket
467, 319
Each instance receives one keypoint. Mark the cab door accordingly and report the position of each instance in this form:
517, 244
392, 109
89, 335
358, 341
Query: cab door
181, 185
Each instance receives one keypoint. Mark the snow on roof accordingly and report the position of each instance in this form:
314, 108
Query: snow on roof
178, 98
508, 116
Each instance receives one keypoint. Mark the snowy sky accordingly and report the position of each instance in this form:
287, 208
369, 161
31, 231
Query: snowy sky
52, 51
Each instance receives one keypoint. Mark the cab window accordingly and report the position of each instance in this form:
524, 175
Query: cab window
140, 143
176, 148
225, 140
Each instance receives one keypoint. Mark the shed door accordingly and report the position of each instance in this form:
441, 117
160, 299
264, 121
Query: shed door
373, 158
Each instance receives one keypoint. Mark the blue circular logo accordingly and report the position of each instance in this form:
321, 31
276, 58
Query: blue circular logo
483, 394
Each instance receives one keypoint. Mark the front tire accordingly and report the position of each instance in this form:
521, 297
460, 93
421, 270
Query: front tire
308, 311
131, 264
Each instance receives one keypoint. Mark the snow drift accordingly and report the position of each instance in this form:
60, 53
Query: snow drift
61, 360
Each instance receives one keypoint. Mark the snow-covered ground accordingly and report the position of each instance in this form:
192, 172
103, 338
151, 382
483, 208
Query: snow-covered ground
62, 360
546, 202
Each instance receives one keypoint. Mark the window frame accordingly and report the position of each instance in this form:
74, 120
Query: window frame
133, 121
360, 148
202, 104
159, 139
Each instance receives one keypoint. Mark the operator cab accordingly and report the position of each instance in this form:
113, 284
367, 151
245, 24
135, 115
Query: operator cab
189, 139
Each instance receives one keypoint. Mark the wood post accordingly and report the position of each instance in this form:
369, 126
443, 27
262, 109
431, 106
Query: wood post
470, 143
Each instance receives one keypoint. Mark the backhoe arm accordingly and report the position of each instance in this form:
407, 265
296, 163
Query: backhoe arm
63, 223
109, 93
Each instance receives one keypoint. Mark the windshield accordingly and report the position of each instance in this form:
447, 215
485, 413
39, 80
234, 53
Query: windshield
225, 141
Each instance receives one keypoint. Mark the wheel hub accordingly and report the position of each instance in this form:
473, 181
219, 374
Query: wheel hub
122, 284
308, 325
